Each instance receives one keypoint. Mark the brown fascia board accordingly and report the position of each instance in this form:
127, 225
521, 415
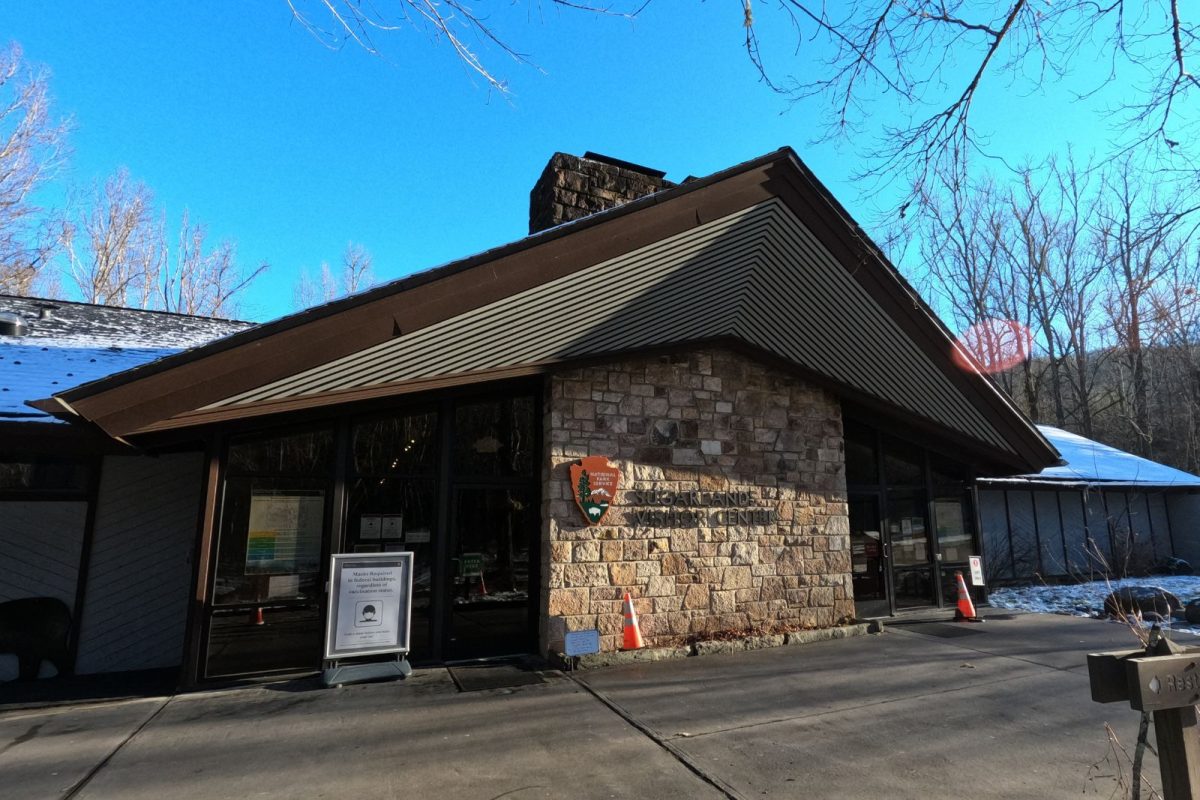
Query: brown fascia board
135, 400
871, 268
277, 412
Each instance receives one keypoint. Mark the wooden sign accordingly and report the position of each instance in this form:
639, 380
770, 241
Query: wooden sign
1160, 682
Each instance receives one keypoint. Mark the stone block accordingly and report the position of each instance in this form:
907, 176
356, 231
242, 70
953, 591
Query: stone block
723, 602
675, 564
663, 585
623, 574
585, 551
560, 552
611, 551
738, 578
575, 575
648, 569
568, 602
744, 553
697, 597
684, 541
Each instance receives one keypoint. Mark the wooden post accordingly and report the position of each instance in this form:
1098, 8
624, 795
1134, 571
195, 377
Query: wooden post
1177, 731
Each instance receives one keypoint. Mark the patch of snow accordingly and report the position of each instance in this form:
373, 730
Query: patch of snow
36, 371
1087, 599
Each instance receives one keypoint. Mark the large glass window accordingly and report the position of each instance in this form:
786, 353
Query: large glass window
268, 588
392, 504
494, 438
862, 461
468, 511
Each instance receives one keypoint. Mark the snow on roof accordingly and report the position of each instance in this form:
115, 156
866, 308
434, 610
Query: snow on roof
1089, 461
67, 344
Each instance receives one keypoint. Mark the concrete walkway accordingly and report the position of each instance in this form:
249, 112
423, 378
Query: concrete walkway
1003, 711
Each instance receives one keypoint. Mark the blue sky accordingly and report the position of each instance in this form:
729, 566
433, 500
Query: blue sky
235, 112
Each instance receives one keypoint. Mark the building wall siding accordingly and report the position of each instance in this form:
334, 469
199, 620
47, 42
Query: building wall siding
706, 421
140, 573
40, 545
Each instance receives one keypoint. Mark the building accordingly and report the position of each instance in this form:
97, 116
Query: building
1101, 512
81, 514
793, 442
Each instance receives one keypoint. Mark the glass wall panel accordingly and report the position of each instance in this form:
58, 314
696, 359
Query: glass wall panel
906, 527
903, 463
862, 461
954, 527
496, 530
950, 586
268, 586
272, 534
44, 475
392, 505
495, 438
302, 453
914, 587
396, 445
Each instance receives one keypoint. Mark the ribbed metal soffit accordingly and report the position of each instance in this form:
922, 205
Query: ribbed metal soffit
758, 275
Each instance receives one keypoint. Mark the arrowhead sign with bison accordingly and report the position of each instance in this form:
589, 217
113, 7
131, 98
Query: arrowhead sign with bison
594, 484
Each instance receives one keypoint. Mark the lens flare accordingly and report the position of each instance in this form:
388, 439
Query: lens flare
993, 345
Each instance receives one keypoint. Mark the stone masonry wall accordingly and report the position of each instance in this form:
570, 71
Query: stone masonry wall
680, 427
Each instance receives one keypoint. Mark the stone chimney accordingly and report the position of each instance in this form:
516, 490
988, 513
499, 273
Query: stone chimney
571, 187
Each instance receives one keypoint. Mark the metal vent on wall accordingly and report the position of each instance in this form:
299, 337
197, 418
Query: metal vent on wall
12, 324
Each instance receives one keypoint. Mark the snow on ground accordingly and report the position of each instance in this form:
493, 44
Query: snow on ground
1087, 599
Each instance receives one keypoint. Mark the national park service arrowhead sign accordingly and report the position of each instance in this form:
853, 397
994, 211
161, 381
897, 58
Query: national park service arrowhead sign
594, 484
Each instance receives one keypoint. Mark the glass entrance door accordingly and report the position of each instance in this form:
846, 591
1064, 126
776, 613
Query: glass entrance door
868, 558
489, 608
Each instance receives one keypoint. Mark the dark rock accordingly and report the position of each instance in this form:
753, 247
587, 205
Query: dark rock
1172, 566
1141, 599
1191, 611
664, 432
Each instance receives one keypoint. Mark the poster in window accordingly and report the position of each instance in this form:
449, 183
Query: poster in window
285, 533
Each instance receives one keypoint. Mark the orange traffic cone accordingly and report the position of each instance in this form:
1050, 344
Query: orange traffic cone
633, 635
966, 609
257, 617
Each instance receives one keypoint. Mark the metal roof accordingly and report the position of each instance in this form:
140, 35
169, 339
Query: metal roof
758, 275
1089, 462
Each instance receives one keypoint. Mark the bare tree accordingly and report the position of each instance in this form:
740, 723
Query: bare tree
1138, 231
118, 254
32, 147
114, 243
200, 281
926, 61
356, 275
